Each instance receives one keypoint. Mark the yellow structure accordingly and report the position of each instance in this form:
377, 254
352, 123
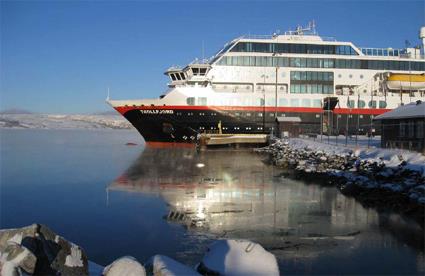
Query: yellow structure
406, 81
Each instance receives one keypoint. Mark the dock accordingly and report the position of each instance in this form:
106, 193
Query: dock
236, 140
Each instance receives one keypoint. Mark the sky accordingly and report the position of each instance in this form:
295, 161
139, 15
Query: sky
61, 56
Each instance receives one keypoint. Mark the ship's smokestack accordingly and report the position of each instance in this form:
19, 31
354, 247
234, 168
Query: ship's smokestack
422, 37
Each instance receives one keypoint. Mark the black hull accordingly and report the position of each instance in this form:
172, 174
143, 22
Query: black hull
183, 126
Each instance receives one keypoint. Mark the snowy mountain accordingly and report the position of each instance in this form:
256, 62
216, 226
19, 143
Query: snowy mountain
57, 121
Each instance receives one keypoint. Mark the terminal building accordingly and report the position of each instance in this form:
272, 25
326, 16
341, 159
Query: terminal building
404, 127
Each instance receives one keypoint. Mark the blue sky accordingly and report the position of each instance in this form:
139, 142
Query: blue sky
60, 57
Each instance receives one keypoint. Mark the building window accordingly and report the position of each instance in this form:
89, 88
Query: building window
402, 129
411, 129
419, 129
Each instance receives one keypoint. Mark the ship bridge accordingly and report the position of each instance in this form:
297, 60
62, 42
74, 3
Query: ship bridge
194, 73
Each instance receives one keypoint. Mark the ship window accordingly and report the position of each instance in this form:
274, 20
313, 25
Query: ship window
190, 101
317, 103
196, 70
306, 102
178, 76
283, 102
295, 102
350, 103
202, 101
382, 104
372, 104
202, 71
173, 77
361, 104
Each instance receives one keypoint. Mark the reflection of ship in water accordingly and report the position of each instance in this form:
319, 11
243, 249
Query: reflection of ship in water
233, 194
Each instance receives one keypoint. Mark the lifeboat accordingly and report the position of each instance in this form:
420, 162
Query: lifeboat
406, 81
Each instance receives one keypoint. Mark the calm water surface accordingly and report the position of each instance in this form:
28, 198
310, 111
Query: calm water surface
116, 200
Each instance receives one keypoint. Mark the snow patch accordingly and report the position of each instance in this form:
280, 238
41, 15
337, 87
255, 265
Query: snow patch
74, 260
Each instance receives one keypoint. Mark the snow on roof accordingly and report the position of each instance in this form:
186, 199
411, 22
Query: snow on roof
411, 110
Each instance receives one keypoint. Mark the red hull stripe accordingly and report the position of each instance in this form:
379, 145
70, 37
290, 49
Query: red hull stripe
377, 111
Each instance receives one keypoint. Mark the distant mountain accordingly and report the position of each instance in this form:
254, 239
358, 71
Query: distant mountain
16, 111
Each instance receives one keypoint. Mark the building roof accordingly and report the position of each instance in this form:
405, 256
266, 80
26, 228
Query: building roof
411, 110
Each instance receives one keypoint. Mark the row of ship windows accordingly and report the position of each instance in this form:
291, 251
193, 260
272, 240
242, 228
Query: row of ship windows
300, 89
294, 48
312, 75
321, 63
312, 89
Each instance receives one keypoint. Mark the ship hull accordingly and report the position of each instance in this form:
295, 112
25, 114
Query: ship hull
182, 124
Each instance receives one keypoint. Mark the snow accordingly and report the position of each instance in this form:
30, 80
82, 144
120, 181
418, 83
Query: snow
128, 266
165, 266
411, 110
239, 257
11, 267
74, 260
58, 121
390, 157
17, 238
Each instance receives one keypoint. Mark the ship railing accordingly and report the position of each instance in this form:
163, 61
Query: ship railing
390, 52
200, 61
324, 38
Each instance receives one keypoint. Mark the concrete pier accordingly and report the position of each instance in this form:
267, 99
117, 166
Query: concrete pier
237, 140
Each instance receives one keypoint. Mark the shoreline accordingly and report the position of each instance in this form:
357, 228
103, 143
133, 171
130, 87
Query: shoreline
386, 183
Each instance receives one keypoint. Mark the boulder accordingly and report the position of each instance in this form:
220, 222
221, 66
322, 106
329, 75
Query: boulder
127, 265
238, 257
160, 265
36, 249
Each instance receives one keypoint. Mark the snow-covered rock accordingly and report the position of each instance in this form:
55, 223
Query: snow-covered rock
238, 257
21, 249
160, 265
127, 265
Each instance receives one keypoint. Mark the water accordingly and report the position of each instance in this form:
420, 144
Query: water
117, 200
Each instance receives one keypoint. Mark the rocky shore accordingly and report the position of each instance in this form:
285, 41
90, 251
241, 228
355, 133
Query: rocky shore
37, 250
384, 179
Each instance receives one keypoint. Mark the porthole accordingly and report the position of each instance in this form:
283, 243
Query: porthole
361, 76
350, 76
339, 76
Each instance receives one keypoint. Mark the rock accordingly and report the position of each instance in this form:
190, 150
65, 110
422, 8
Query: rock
36, 249
18, 256
127, 265
238, 257
160, 265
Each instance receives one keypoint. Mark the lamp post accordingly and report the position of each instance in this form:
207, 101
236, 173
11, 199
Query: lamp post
264, 76
275, 90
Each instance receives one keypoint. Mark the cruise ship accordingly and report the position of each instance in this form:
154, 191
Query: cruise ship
253, 80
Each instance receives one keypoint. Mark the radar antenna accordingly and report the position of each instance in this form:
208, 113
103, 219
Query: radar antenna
309, 29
